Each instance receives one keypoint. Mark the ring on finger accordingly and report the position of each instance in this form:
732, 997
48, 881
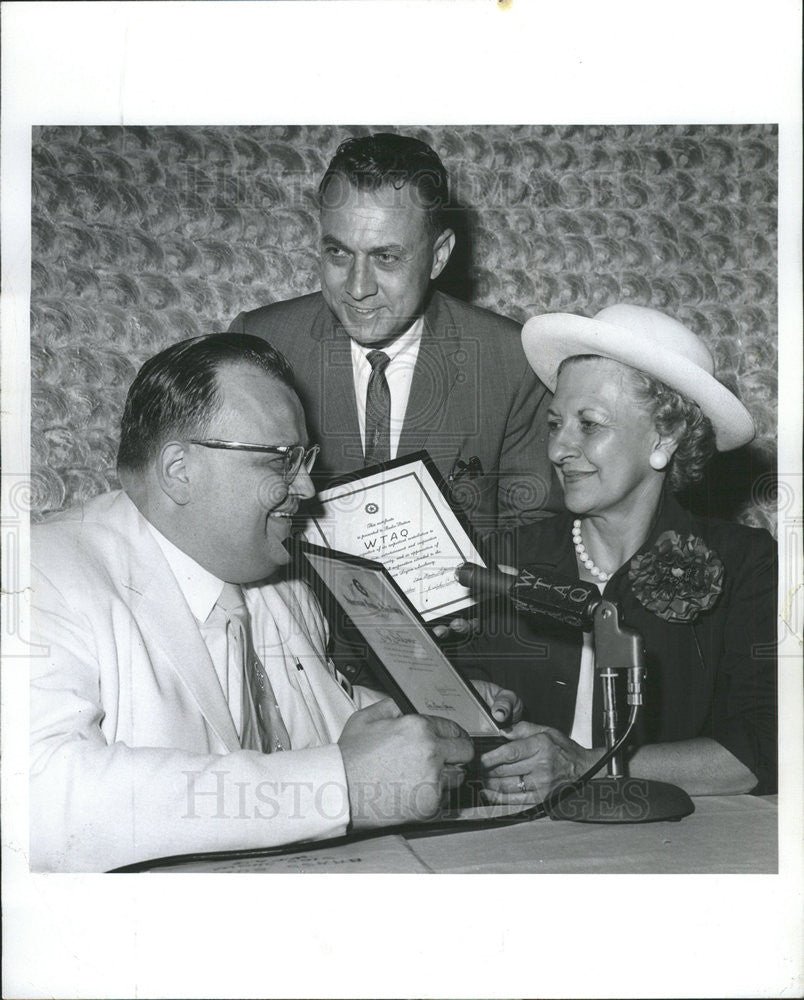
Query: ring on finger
521, 784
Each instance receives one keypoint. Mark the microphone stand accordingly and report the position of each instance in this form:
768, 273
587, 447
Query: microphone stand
617, 798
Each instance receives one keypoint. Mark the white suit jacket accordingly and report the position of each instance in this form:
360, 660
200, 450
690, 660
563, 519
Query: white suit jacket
134, 752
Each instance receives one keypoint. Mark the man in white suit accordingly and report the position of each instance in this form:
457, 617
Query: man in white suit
140, 714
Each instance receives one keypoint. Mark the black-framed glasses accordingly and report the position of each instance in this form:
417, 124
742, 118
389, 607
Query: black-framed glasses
294, 455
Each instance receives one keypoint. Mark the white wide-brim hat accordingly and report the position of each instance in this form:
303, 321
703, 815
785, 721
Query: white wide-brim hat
648, 340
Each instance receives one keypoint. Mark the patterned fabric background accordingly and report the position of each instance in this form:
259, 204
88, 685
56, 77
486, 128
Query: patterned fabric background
145, 236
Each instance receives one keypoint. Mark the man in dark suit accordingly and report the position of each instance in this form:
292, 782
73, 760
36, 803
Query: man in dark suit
386, 366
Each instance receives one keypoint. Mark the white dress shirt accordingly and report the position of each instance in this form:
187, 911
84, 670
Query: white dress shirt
582, 722
201, 591
403, 353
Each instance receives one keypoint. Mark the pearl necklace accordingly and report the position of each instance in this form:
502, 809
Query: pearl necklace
583, 555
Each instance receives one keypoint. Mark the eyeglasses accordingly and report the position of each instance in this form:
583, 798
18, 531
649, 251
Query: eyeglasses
294, 455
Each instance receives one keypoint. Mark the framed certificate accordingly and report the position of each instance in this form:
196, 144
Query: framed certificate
398, 514
414, 669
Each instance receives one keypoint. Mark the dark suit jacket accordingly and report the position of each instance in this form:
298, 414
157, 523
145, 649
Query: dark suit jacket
723, 687
472, 395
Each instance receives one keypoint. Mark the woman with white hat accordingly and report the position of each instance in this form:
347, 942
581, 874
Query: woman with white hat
637, 413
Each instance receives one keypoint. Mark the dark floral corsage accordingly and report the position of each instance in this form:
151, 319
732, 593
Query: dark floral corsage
678, 578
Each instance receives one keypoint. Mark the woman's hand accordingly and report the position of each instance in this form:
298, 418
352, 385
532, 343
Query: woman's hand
529, 767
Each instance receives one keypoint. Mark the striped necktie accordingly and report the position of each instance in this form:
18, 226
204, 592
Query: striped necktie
378, 411
263, 728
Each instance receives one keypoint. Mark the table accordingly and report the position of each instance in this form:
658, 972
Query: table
725, 834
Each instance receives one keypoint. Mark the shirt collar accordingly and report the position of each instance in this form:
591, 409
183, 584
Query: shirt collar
402, 345
200, 588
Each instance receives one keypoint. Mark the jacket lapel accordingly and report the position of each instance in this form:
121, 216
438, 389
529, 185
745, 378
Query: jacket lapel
558, 553
155, 600
546, 543
434, 378
337, 431
670, 516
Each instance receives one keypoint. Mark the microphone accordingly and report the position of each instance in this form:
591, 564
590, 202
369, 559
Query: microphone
569, 601
614, 798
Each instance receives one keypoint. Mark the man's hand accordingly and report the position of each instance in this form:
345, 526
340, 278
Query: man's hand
465, 628
458, 628
506, 706
399, 766
536, 760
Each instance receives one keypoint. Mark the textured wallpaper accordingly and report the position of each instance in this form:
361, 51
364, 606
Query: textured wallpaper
144, 236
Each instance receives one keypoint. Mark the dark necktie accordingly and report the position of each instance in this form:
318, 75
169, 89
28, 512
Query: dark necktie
378, 411
258, 703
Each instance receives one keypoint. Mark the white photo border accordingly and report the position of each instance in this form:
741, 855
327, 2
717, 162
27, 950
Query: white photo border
338, 60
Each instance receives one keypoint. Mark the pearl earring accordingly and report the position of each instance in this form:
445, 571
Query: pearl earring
658, 460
